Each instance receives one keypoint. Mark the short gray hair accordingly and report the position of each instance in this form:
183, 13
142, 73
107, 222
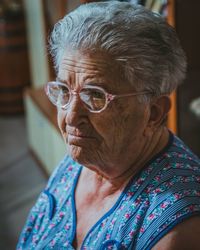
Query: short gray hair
141, 42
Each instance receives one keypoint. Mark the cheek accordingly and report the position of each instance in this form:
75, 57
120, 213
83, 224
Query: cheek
111, 128
130, 125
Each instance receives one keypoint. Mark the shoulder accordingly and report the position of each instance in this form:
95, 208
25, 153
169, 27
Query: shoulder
181, 151
176, 173
183, 236
174, 195
49, 201
175, 157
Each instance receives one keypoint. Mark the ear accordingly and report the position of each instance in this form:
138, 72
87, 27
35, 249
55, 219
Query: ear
159, 109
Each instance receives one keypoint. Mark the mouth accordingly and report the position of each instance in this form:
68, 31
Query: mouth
78, 135
75, 136
78, 139
75, 132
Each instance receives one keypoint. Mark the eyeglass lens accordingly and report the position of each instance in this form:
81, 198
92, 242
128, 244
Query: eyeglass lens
59, 95
94, 99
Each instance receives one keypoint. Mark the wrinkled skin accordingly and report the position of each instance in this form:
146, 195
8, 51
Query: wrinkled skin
115, 144
111, 141
112, 145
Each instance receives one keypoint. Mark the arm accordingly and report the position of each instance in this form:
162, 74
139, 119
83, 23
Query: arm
184, 236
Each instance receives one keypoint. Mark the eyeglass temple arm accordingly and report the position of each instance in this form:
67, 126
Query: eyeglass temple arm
111, 97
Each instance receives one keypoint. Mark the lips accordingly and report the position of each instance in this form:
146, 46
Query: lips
77, 133
77, 137
80, 141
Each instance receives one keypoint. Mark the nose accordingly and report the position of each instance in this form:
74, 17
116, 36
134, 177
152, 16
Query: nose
76, 113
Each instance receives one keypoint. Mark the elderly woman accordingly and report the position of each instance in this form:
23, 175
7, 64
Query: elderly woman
127, 182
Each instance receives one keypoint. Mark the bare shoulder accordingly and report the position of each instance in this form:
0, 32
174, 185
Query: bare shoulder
185, 235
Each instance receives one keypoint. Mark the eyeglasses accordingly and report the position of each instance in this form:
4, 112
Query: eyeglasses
94, 98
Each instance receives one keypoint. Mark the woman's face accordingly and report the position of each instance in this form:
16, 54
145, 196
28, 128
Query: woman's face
105, 141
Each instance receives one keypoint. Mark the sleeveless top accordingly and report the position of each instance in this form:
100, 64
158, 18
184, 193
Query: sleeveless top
164, 193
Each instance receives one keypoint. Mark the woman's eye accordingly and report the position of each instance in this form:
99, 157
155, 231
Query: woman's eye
95, 94
63, 90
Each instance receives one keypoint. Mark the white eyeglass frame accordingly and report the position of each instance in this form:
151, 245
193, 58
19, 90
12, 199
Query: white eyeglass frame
109, 97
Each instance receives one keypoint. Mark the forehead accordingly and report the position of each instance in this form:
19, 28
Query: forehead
83, 62
81, 68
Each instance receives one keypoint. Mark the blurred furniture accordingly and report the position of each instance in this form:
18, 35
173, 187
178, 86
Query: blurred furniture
195, 107
14, 64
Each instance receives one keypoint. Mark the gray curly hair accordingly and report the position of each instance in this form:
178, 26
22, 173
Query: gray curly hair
141, 42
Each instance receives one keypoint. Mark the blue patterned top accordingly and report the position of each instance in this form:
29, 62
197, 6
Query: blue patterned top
164, 193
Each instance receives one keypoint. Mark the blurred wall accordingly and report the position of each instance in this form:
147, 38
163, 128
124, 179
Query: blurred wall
37, 42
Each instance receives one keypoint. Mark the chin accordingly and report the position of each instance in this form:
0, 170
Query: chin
84, 156
78, 154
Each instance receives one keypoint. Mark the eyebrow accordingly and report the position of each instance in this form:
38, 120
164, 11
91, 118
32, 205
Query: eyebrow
90, 82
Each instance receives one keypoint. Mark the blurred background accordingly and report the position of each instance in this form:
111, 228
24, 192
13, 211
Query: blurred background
30, 143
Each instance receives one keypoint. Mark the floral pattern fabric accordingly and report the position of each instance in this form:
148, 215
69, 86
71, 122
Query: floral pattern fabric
163, 194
